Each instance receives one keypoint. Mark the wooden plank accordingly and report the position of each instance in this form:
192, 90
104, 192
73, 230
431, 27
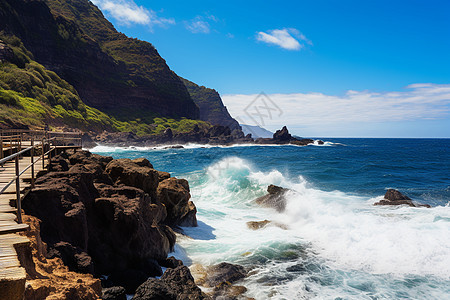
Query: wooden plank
5, 229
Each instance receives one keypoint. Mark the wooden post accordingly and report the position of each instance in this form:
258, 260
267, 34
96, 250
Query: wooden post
43, 153
1, 147
32, 161
18, 202
20, 142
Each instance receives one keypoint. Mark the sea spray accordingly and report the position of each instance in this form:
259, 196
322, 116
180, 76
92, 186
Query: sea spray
336, 244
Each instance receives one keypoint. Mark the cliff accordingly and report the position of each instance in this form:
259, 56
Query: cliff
110, 71
211, 106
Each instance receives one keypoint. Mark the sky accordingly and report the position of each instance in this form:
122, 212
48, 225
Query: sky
372, 68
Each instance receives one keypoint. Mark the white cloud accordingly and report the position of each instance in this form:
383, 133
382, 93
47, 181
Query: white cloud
128, 12
200, 24
287, 38
418, 102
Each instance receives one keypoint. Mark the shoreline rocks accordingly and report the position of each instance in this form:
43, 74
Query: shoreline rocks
110, 217
174, 284
215, 135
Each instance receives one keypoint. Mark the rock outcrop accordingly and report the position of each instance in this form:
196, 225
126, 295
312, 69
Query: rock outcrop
274, 199
394, 197
221, 280
174, 194
175, 284
283, 137
105, 216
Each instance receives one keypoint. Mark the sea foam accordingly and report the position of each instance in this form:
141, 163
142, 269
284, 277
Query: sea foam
337, 244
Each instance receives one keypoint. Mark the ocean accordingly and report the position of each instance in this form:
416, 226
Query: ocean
333, 243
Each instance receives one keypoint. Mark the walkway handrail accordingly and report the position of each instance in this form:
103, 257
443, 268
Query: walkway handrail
46, 142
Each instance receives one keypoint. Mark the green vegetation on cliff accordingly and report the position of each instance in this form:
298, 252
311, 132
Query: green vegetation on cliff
31, 95
68, 66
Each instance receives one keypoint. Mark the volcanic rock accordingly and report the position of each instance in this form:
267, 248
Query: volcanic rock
93, 223
174, 194
114, 293
394, 197
275, 198
125, 171
175, 284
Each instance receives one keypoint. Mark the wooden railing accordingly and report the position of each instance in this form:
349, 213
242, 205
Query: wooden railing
38, 145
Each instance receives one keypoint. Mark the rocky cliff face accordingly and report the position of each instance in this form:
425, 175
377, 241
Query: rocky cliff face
211, 106
110, 217
109, 70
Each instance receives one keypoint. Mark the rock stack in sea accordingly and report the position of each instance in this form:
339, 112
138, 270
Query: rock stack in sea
394, 197
110, 217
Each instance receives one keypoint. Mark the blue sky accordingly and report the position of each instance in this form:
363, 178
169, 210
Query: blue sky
368, 53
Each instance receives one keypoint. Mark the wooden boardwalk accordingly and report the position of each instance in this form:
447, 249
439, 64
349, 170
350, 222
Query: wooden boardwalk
12, 274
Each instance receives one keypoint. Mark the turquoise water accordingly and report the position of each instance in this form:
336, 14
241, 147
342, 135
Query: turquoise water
335, 244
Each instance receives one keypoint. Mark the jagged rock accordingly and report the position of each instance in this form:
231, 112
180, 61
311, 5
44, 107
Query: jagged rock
282, 135
175, 284
170, 262
125, 171
394, 197
275, 198
114, 293
174, 194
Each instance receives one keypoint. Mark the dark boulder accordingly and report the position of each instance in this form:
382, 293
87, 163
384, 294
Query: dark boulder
174, 194
275, 198
175, 284
125, 171
170, 262
114, 293
394, 197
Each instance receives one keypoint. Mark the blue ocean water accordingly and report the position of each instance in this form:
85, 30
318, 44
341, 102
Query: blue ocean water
332, 243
